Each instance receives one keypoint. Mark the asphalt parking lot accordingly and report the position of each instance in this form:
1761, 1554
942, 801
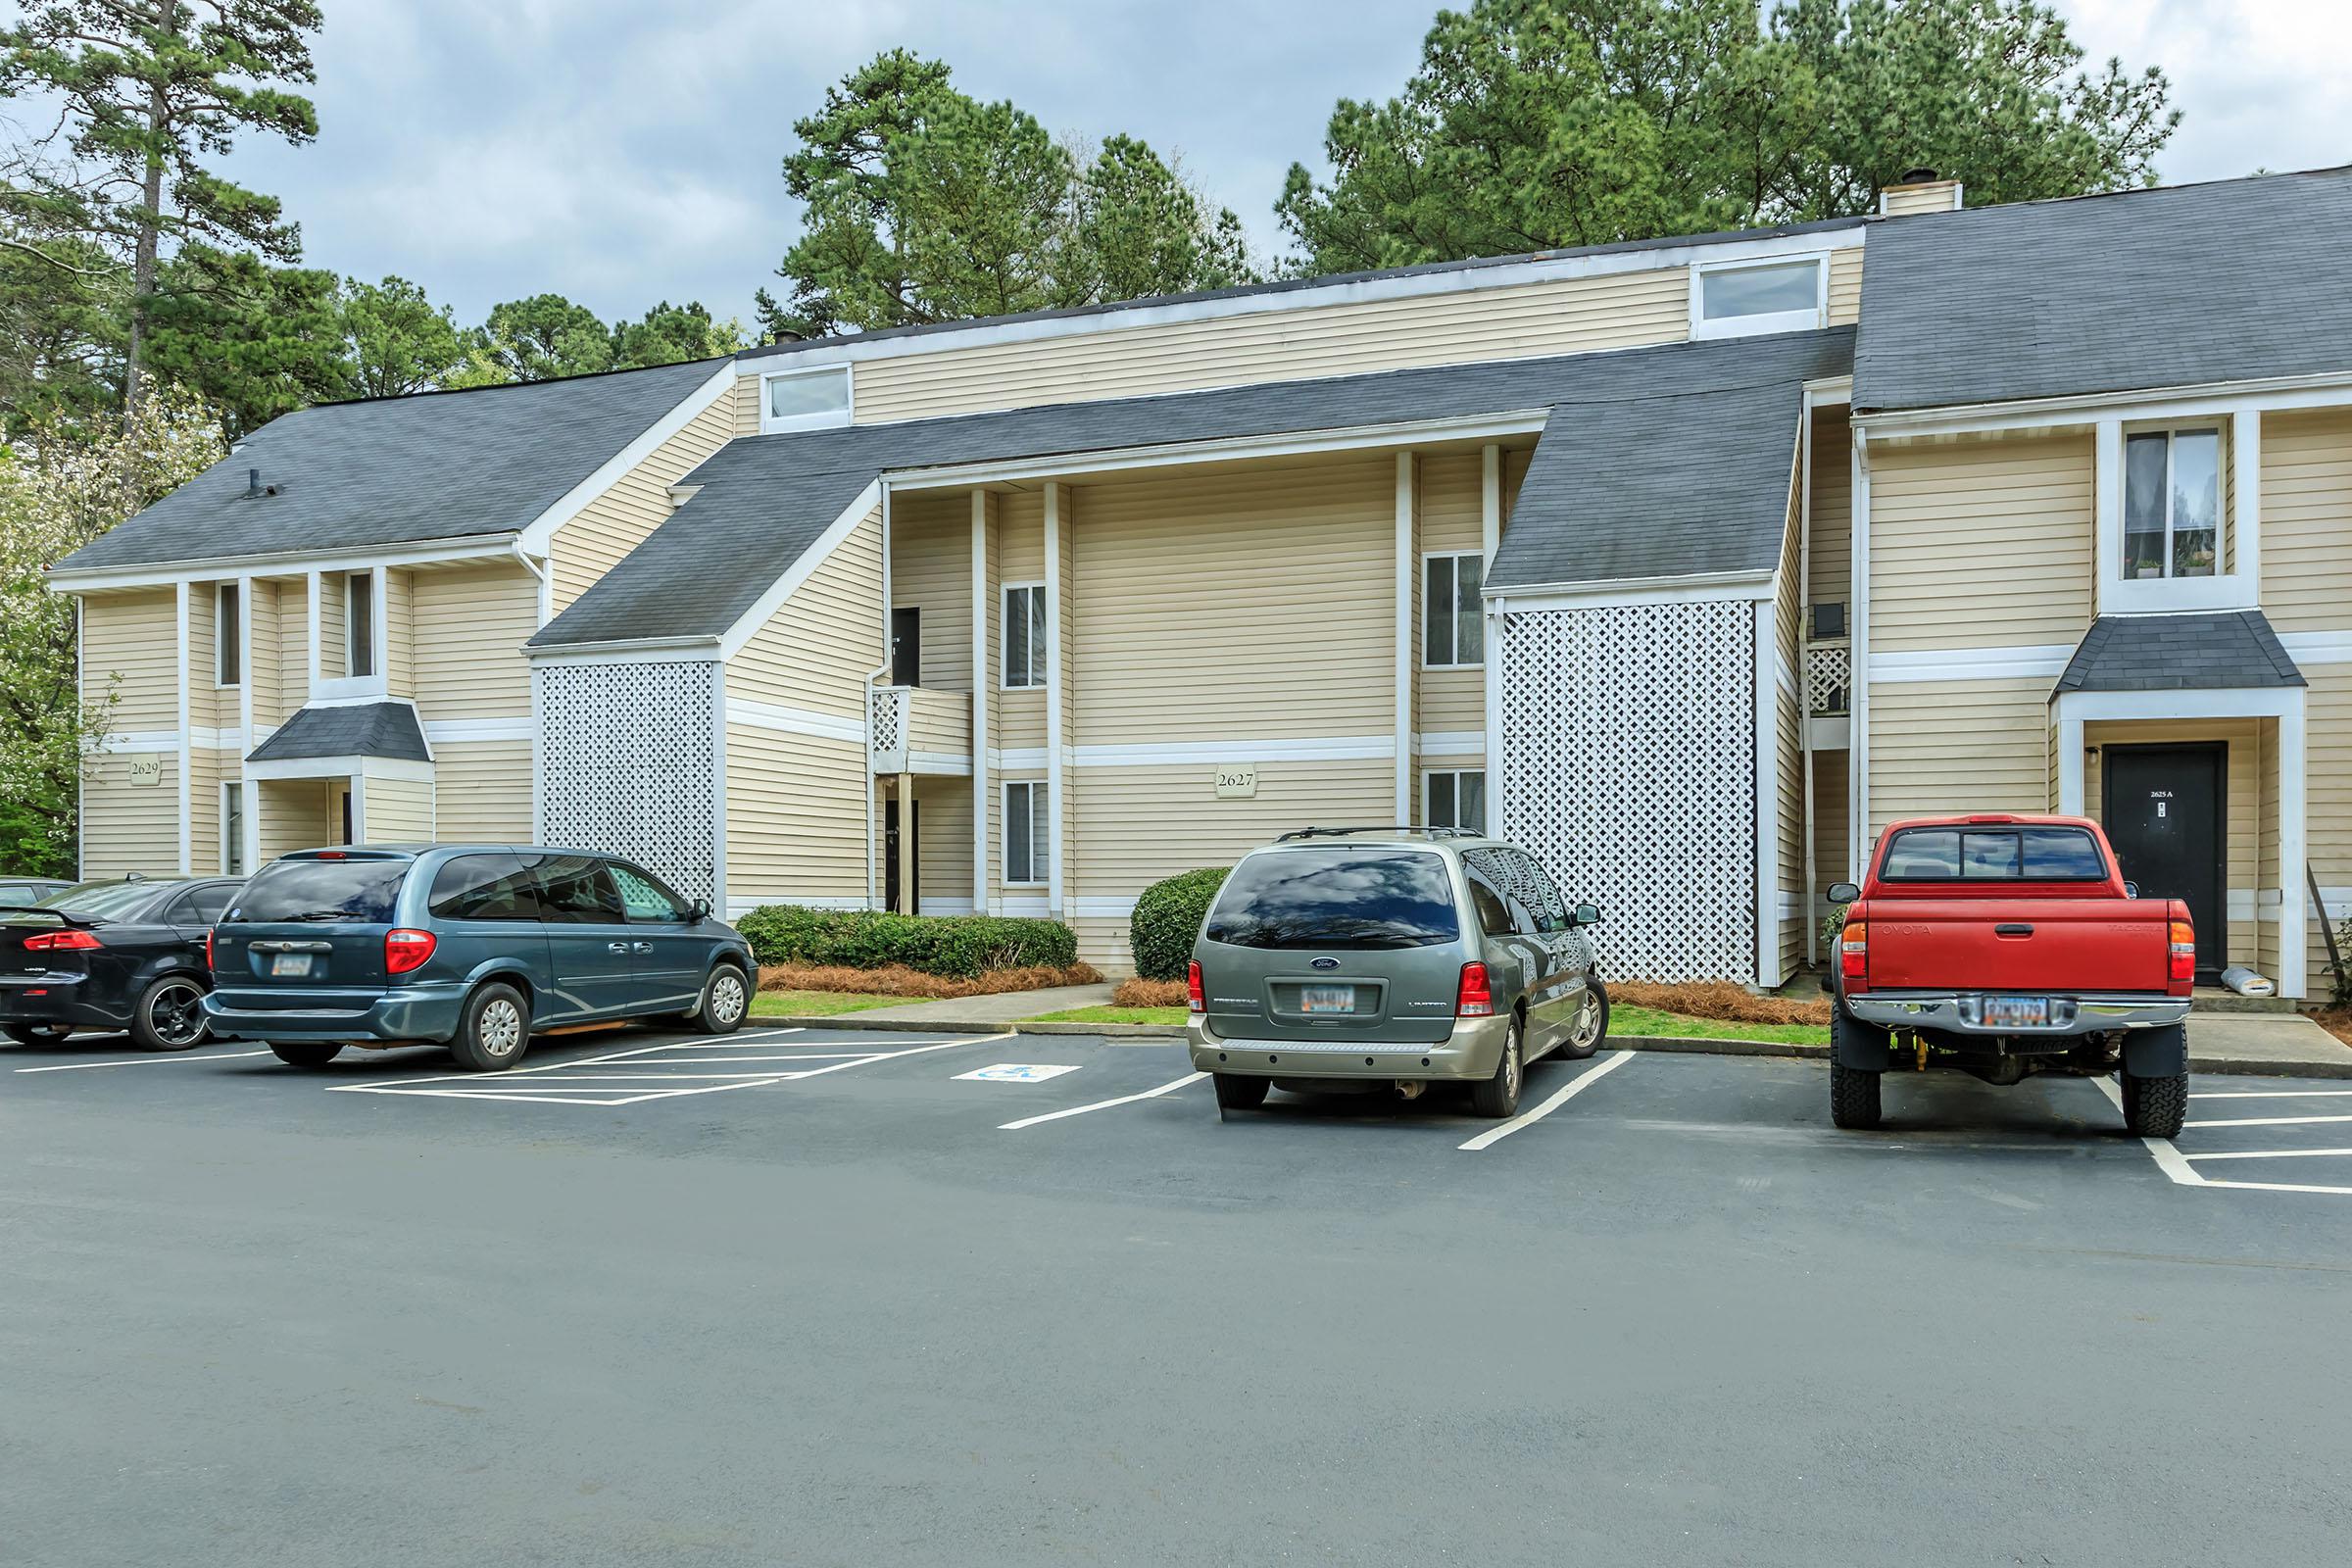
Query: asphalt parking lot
824, 1297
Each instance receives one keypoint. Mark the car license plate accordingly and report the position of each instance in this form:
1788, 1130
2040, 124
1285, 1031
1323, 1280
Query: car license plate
1327, 999
2017, 1013
296, 964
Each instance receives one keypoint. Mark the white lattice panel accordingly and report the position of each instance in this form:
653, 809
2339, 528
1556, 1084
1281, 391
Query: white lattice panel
1628, 759
890, 718
1829, 675
627, 765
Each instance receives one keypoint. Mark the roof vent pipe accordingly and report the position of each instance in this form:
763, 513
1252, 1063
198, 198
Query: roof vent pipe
1918, 176
253, 481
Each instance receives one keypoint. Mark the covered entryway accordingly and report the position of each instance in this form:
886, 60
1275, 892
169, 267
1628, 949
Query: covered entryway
355, 773
2165, 808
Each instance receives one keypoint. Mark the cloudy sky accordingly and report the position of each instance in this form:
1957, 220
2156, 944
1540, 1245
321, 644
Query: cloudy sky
621, 151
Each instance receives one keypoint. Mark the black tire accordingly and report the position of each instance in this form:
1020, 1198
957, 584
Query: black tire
169, 1014
1238, 1091
37, 1034
307, 1052
2155, 1107
1577, 1047
494, 1030
1498, 1096
1853, 1096
726, 1002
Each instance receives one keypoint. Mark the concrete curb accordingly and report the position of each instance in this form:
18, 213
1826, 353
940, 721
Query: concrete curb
2247, 1067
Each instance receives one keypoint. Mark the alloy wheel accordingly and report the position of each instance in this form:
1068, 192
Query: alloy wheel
1587, 1023
176, 1012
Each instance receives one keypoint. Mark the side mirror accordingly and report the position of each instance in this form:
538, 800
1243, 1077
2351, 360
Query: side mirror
2131, 889
1585, 915
1843, 893
698, 911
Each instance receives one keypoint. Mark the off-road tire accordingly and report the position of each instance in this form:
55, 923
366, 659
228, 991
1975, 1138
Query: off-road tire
307, 1052
1241, 1090
726, 1002
493, 1031
1853, 1096
1570, 1050
1498, 1096
2155, 1107
37, 1034
160, 1019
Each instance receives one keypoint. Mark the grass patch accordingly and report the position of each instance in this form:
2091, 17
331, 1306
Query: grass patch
1627, 1019
1113, 1014
818, 1004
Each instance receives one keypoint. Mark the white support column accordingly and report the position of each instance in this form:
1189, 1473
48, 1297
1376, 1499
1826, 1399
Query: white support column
357, 784
1768, 800
1055, 776
1490, 500
249, 852
315, 585
1497, 634
719, 788
379, 651
2294, 840
1804, 589
1857, 725
2070, 763
983, 613
1404, 637
2107, 507
911, 895
186, 751
2245, 460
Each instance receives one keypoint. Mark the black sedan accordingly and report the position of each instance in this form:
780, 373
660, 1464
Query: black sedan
126, 954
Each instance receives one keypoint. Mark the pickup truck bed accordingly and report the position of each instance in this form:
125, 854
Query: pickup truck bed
2004, 946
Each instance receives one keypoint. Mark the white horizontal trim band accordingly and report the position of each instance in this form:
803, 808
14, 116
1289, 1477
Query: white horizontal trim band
285, 564
955, 764
2318, 647
1210, 754
1018, 759
139, 740
1106, 908
794, 720
1450, 743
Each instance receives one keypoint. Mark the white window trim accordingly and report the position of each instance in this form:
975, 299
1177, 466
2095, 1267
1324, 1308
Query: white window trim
1037, 663
1457, 774
1458, 663
1702, 326
235, 627
1039, 874
2238, 549
245, 806
375, 625
771, 424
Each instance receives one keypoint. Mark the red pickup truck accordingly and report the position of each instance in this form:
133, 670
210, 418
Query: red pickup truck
2006, 945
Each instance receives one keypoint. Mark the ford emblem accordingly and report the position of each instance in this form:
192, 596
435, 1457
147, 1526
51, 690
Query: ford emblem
1327, 964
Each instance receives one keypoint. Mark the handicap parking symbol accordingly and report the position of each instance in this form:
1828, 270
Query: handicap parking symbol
1019, 1072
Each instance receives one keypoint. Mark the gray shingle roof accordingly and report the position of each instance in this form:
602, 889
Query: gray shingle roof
359, 729
1667, 477
2237, 281
390, 470
2203, 652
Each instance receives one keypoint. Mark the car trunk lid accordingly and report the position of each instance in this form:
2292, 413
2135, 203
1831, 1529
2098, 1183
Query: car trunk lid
309, 928
2076, 946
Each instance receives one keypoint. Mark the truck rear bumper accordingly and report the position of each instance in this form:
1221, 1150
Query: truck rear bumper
1962, 1013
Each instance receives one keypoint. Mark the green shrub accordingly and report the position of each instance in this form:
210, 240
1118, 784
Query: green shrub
958, 947
1166, 920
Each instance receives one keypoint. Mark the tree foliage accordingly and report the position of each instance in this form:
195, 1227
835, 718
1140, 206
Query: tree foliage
64, 483
922, 204
395, 340
1539, 124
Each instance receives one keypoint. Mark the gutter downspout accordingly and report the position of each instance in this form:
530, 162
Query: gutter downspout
1805, 659
547, 583
873, 843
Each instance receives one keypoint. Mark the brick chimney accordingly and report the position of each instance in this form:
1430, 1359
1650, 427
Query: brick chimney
1919, 190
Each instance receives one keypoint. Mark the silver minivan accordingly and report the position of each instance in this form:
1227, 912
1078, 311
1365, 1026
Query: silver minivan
1351, 959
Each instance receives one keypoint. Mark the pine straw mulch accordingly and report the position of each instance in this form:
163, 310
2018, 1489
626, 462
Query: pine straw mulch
2337, 1021
1141, 993
1718, 1000
897, 980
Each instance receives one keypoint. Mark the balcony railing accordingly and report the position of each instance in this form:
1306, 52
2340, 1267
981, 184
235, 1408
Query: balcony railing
917, 729
1828, 679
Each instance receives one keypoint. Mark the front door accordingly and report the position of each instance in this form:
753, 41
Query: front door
907, 646
2163, 807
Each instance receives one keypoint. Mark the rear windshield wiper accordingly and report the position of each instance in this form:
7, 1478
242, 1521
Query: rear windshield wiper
311, 915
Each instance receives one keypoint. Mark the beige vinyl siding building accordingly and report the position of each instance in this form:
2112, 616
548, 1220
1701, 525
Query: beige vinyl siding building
621, 517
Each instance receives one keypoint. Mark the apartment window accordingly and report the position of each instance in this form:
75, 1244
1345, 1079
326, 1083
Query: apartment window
1027, 841
804, 400
1828, 620
2172, 504
233, 829
1453, 618
359, 623
1734, 299
1456, 798
1025, 635
229, 638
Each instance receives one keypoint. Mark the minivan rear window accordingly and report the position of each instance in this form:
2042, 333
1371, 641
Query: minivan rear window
1336, 897
1993, 855
336, 892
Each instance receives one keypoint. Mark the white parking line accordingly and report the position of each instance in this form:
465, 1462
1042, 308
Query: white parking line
2273, 1094
145, 1061
1168, 1087
2268, 1121
2175, 1165
2275, 1153
1528, 1118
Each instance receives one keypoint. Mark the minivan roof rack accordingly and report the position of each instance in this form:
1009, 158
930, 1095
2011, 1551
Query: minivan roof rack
1343, 832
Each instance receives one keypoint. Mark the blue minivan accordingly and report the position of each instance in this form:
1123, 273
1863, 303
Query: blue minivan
470, 946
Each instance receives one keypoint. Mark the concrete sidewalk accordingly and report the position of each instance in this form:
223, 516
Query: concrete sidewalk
2279, 1045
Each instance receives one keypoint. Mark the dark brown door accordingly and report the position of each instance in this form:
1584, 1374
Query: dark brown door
2164, 808
907, 646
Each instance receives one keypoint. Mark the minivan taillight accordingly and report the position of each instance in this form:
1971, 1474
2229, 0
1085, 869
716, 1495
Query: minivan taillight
2184, 951
1854, 951
1476, 998
406, 949
1193, 996
71, 940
